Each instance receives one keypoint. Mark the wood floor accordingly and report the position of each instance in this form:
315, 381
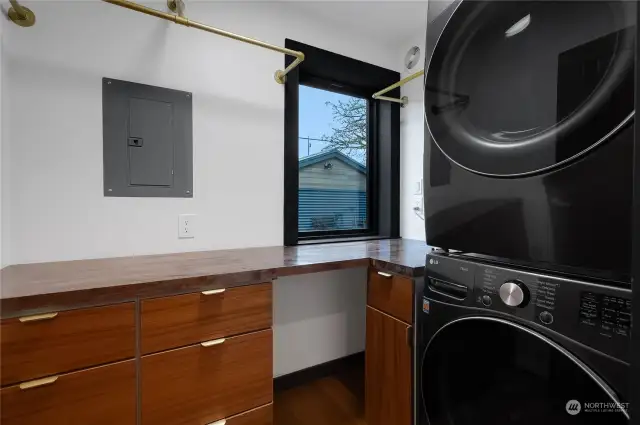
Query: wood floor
337, 399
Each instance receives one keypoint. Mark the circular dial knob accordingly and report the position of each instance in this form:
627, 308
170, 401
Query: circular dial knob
513, 293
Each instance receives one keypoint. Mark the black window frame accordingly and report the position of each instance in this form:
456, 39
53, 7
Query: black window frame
333, 72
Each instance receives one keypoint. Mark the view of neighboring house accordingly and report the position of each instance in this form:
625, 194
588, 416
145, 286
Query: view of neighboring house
332, 192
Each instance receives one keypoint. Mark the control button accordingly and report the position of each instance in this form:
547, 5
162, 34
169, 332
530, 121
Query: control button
546, 317
620, 331
514, 294
486, 300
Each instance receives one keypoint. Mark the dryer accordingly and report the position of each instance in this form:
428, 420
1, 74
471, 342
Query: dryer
529, 112
496, 345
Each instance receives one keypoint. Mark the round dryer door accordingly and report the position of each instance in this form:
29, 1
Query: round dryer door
515, 88
488, 371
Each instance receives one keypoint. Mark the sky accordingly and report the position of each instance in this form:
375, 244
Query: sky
315, 118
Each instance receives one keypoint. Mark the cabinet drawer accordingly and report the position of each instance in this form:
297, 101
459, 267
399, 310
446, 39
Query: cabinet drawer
260, 416
104, 395
43, 345
207, 382
392, 294
187, 319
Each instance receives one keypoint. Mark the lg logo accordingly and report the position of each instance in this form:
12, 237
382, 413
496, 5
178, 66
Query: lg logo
573, 407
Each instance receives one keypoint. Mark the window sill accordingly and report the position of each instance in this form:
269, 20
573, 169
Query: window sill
342, 239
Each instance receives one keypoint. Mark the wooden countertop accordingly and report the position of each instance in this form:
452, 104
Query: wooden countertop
35, 288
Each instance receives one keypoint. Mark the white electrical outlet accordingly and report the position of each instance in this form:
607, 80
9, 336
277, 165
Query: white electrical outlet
186, 226
418, 188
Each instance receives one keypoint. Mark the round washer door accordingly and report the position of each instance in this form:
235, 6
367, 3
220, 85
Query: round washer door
488, 371
516, 88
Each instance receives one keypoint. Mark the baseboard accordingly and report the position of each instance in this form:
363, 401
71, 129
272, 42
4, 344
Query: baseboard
322, 370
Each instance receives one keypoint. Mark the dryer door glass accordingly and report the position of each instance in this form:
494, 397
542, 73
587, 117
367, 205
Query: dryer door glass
516, 88
484, 371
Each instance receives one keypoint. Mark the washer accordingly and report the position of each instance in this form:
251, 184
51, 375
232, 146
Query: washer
529, 111
498, 345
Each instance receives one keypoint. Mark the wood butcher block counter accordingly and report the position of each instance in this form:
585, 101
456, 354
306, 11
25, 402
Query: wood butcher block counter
41, 287
186, 338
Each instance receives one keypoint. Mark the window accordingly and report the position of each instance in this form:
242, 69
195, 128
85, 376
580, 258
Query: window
332, 166
341, 150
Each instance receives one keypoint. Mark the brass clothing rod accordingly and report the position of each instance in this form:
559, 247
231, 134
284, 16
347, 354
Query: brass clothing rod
280, 75
403, 101
400, 83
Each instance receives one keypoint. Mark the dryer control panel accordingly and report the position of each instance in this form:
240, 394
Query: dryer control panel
596, 315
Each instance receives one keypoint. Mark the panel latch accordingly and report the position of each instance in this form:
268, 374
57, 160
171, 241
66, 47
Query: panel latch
136, 142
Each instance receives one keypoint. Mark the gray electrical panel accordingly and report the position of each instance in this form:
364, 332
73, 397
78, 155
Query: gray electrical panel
147, 140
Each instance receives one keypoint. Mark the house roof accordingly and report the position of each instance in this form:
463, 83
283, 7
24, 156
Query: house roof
329, 154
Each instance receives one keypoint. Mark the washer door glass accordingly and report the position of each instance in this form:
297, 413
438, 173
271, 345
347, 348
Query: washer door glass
484, 371
516, 88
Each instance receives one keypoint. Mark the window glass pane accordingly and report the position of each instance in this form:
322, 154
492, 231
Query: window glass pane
332, 191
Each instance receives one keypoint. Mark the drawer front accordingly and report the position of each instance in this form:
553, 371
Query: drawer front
104, 395
391, 294
47, 345
188, 319
261, 416
203, 384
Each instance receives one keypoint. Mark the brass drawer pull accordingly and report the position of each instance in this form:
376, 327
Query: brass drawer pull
212, 342
383, 274
38, 382
36, 317
220, 422
214, 291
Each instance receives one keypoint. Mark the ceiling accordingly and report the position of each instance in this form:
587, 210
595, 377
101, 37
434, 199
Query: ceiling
391, 23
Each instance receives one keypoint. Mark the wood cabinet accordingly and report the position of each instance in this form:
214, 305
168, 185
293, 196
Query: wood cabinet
391, 294
387, 370
181, 320
389, 349
202, 358
103, 395
207, 382
36, 346
71, 367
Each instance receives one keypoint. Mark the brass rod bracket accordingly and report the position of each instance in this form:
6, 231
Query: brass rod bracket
21, 15
176, 6
280, 77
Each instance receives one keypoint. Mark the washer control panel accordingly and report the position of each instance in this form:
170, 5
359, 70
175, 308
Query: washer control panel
608, 314
597, 315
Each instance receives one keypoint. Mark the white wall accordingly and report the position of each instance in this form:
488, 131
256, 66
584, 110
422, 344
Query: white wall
53, 106
318, 318
411, 143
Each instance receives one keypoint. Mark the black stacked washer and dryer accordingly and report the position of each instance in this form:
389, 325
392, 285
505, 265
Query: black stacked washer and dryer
528, 175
